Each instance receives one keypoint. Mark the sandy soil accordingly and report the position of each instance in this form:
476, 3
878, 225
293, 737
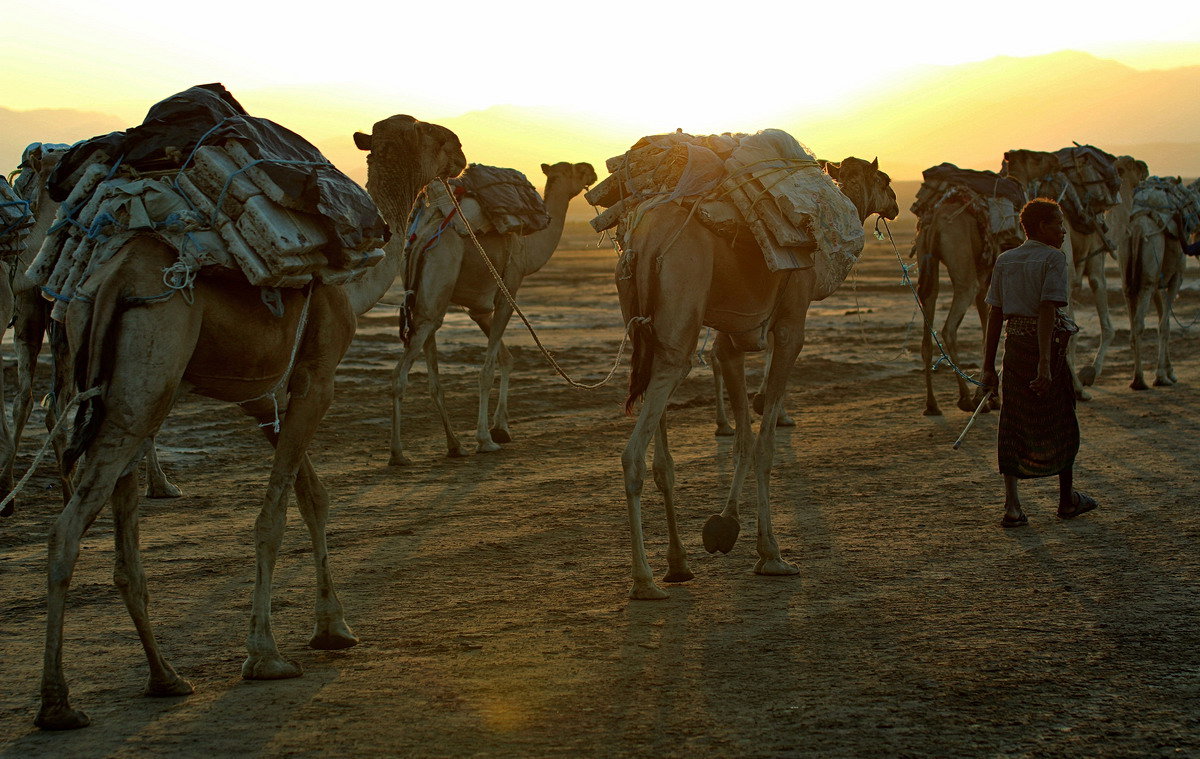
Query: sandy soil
490, 592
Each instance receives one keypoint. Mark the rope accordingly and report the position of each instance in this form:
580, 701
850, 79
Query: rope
64, 415
945, 357
517, 310
287, 374
862, 328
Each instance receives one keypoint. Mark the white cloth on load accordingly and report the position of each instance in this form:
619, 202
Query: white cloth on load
766, 182
1174, 208
15, 220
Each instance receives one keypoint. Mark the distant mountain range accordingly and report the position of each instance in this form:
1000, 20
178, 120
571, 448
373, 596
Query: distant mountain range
967, 114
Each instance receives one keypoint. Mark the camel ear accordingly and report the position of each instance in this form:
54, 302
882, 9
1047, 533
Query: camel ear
363, 141
875, 163
546, 169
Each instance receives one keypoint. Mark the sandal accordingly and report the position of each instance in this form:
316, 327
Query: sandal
1081, 503
1008, 521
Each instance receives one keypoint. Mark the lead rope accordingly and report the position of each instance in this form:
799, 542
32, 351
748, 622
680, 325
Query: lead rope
64, 415
517, 310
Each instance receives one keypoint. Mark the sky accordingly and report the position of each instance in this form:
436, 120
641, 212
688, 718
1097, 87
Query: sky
644, 66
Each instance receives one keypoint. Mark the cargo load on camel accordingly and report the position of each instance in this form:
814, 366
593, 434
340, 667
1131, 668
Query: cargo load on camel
993, 201
765, 187
1173, 208
492, 199
227, 190
16, 218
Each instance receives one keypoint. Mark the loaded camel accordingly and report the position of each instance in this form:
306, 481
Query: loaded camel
684, 277
1152, 266
1040, 174
225, 346
31, 322
451, 271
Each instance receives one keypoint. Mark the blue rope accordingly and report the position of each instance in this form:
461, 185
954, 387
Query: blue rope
945, 357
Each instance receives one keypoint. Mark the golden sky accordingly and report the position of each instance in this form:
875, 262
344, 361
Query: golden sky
647, 65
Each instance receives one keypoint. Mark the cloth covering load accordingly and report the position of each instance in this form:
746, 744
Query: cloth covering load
16, 217
1086, 185
225, 189
993, 201
1174, 208
764, 187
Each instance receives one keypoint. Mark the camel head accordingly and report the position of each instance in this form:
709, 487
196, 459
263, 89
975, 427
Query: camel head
867, 187
1028, 165
404, 155
1132, 171
573, 177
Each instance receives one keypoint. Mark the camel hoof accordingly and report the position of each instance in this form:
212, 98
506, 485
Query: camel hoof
784, 420
166, 490
486, 447
775, 568
647, 591
458, 453
270, 668
678, 575
399, 459
759, 403
1162, 382
932, 411
500, 435
724, 430
61, 717
720, 533
1082, 395
1139, 384
964, 404
167, 688
1087, 376
333, 638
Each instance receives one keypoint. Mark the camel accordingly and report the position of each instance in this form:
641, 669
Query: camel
685, 276
1152, 266
1036, 171
951, 238
31, 322
227, 346
451, 271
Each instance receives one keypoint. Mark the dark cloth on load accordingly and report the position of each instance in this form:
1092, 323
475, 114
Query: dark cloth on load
509, 201
1094, 173
210, 113
986, 183
1039, 434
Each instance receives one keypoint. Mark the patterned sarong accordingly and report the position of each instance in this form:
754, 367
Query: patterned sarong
1039, 434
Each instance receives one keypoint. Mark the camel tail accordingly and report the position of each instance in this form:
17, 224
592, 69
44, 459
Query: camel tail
94, 355
1132, 276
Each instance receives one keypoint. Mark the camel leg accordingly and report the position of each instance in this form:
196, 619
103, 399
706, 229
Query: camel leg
157, 484
454, 448
1163, 303
785, 420
330, 631
499, 429
789, 339
663, 381
723, 427
408, 356
1139, 304
965, 290
927, 292
487, 372
721, 530
8, 447
1171, 295
1097, 281
61, 391
664, 479
305, 411
1072, 346
130, 579
28, 332
101, 468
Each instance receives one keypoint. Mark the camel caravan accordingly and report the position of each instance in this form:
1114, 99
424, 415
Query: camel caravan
208, 251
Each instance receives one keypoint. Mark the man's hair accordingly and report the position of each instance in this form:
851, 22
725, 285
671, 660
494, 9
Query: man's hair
1038, 211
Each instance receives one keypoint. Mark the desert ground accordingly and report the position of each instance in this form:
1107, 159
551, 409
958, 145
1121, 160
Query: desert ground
489, 592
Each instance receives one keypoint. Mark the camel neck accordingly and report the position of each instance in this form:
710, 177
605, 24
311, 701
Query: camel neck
393, 192
540, 245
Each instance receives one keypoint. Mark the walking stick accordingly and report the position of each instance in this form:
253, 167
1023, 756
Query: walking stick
986, 397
